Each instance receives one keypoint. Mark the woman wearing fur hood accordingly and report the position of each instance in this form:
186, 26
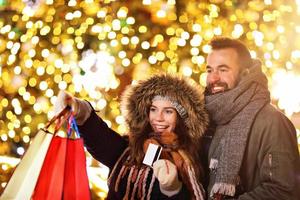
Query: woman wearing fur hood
164, 110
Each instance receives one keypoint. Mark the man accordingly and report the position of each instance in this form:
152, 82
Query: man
253, 152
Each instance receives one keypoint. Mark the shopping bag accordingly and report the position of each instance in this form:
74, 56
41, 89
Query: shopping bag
24, 178
63, 175
22, 183
76, 185
50, 181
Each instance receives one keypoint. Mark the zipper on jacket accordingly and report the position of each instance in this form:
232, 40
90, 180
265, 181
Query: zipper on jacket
270, 165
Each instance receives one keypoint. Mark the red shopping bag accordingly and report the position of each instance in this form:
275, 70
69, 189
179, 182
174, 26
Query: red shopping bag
23, 181
50, 182
76, 185
64, 175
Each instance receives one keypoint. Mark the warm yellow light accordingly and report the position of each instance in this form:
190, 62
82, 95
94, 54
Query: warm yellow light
126, 62
194, 51
116, 24
27, 118
196, 40
130, 20
170, 31
147, 2
32, 82
43, 85
112, 35
114, 43
145, 45
101, 104
22, 90
122, 13
142, 29
17, 70
206, 49
122, 54
124, 40
161, 14
45, 53
26, 139
196, 27
40, 70
160, 56
134, 40
152, 59
11, 133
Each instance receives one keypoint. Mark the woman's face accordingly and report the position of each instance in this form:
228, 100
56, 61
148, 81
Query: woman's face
162, 116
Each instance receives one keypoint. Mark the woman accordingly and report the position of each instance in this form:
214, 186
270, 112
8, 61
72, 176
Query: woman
164, 110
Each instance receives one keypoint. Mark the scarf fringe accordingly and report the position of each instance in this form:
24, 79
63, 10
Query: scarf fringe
144, 183
126, 197
119, 177
117, 163
136, 176
151, 187
196, 187
137, 183
223, 188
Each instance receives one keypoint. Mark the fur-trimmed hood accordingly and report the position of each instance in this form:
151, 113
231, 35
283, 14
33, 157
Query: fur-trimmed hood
137, 99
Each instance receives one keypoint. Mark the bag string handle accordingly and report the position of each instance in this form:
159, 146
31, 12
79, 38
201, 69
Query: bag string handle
72, 126
59, 119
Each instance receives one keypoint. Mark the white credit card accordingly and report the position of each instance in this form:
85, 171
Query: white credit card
152, 154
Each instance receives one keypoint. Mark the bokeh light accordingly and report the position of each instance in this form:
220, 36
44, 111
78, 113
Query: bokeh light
95, 48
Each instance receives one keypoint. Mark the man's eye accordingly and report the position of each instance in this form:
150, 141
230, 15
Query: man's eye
208, 70
223, 70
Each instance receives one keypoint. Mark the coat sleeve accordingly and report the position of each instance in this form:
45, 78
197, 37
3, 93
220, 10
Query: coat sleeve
104, 144
277, 159
183, 194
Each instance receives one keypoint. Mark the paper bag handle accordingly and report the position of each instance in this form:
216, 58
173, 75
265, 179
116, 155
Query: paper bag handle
63, 114
72, 125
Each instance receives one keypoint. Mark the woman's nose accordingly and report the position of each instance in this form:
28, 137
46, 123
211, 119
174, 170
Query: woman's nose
159, 116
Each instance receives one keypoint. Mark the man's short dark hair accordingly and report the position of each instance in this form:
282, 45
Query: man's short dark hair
244, 56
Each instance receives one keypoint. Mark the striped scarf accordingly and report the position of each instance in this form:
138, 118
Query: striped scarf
233, 112
180, 158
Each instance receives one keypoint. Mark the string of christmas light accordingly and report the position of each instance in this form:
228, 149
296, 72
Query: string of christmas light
95, 48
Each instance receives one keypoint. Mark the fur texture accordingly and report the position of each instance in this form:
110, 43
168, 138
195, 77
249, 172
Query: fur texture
137, 99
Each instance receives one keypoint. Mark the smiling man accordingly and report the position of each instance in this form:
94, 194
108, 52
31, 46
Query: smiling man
222, 70
252, 147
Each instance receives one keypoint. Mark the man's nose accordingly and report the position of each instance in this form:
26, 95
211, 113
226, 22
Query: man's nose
214, 77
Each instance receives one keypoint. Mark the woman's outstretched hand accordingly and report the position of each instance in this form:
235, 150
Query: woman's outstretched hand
166, 173
63, 100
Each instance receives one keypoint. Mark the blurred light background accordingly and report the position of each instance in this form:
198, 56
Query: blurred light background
95, 48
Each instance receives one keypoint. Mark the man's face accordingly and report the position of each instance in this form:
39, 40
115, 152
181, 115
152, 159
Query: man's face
222, 70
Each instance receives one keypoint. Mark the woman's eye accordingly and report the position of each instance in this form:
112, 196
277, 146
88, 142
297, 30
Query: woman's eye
169, 111
152, 109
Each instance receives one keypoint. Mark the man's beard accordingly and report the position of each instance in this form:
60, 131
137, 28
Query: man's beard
209, 88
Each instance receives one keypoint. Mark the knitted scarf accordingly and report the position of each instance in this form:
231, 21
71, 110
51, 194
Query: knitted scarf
171, 151
234, 112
